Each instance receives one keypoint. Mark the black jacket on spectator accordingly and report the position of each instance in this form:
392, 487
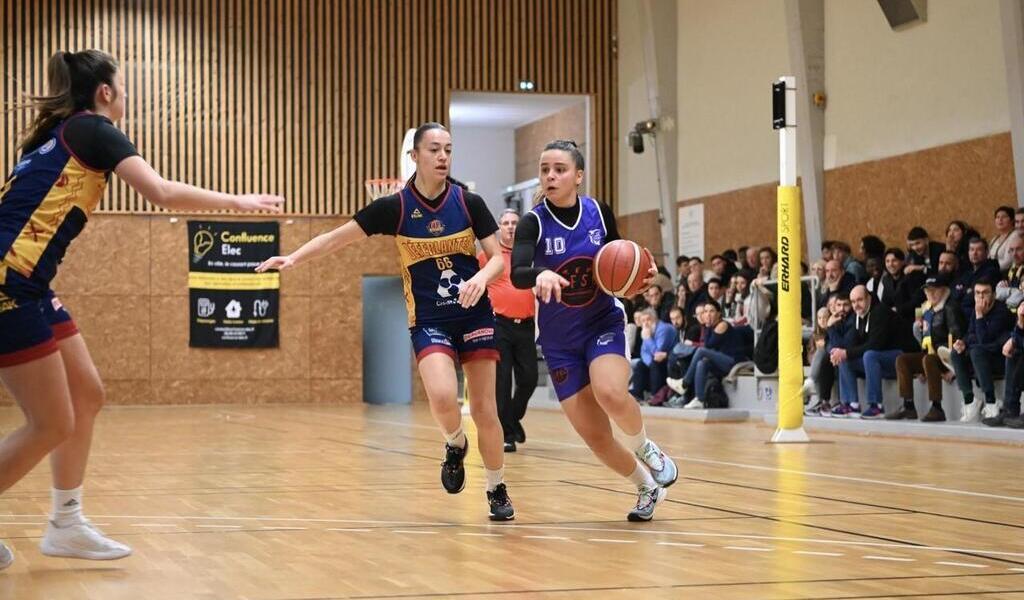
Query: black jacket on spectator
991, 331
964, 286
698, 297
948, 322
931, 261
901, 295
880, 329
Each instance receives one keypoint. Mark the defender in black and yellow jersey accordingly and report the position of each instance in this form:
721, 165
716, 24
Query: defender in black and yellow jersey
67, 157
436, 222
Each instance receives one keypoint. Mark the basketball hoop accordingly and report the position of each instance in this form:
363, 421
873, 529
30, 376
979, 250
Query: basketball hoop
377, 188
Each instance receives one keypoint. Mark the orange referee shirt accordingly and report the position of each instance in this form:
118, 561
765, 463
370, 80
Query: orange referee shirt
507, 300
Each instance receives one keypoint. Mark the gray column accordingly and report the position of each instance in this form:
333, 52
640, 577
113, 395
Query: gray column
1012, 14
805, 30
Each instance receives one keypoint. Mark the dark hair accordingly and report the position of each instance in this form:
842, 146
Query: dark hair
682, 258
418, 137
1019, 211
827, 244
873, 245
917, 233
713, 304
697, 258
840, 245
741, 250
71, 80
985, 281
771, 251
979, 240
714, 280
730, 255
963, 226
895, 252
844, 296
569, 146
1004, 209
718, 256
955, 256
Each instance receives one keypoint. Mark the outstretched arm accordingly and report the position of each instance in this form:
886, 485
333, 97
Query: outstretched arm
173, 195
321, 245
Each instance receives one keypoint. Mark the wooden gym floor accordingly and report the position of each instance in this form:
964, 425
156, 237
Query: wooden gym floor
302, 502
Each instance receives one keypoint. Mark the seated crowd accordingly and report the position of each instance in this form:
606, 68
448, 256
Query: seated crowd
933, 311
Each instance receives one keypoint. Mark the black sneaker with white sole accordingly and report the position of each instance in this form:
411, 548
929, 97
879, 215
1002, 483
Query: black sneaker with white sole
453, 472
501, 506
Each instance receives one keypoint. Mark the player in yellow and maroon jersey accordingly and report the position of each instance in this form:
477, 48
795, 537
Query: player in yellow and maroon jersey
67, 157
435, 222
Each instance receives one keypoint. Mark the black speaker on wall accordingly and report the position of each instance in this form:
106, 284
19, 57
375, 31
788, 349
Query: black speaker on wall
901, 13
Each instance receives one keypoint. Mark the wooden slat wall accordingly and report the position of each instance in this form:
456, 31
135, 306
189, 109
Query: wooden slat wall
308, 98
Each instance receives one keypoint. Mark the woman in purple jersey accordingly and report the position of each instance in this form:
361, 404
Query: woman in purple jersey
67, 156
435, 222
582, 329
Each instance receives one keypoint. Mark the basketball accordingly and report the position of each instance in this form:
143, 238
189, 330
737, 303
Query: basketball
621, 267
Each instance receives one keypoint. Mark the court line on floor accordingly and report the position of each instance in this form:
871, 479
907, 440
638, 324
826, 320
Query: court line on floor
681, 457
561, 528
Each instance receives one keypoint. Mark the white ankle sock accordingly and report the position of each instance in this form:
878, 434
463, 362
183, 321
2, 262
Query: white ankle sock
641, 477
67, 506
494, 478
456, 439
636, 441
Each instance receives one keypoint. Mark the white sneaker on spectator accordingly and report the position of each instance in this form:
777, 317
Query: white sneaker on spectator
813, 406
695, 403
809, 387
676, 385
81, 540
971, 413
990, 410
6, 556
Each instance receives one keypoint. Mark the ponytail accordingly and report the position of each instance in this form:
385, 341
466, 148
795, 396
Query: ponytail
455, 181
71, 80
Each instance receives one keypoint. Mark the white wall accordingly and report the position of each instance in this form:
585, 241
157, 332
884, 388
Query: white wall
730, 51
487, 157
933, 83
638, 184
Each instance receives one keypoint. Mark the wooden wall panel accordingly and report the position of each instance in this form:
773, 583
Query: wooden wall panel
308, 98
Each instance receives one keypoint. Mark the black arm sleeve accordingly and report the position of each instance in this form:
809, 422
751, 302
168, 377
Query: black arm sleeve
524, 274
484, 224
96, 142
380, 216
609, 222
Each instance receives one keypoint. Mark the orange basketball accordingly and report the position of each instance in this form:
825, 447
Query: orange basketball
621, 267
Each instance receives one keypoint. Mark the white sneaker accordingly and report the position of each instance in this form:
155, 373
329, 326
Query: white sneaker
676, 385
971, 412
695, 403
809, 387
81, 540
990, 411
6, 557
943, 353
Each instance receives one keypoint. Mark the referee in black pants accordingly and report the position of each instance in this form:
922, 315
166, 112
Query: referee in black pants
515, 336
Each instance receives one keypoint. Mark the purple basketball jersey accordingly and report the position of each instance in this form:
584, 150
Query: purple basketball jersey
569, 250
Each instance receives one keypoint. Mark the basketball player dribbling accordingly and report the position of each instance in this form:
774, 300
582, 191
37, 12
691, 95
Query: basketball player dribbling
435, 222
582, 329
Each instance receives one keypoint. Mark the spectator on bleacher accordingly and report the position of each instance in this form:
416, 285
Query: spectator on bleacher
730, 255
838, 331
697, 264
715, 290
899, 292
660, 301
722, 268
941, 321
999, 247
689, 330
837, 281
1013, 350
751, 262
874, 345
873, 267
724, 346
958, 236
766, 259
1011, 289
841, 252
817, 355
981, 351
979, 267
736, 305
695, 285
871, 246
682, 269
650, 370
923, 254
